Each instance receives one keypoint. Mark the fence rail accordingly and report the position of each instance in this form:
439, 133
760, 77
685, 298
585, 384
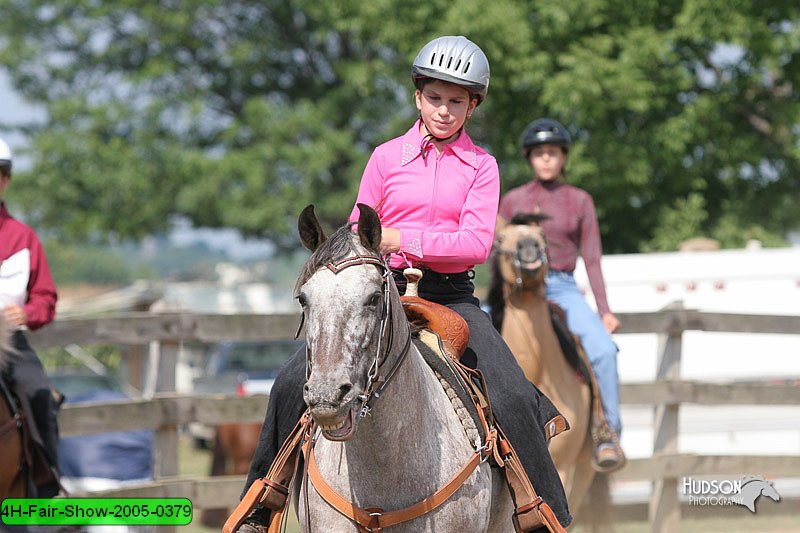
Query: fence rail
166, 411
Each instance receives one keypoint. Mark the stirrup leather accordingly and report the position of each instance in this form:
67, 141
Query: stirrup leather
272, 490
531, 512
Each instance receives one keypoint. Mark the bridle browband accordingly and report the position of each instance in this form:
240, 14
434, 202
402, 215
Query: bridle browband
376, 382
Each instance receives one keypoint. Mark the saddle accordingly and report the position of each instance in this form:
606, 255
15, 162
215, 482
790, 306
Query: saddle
445, 333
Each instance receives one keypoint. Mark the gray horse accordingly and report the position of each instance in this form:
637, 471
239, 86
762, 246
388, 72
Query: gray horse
388, 434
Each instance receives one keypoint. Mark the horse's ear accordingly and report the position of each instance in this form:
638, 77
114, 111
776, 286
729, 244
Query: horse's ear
311, 234
369, 227
499, 224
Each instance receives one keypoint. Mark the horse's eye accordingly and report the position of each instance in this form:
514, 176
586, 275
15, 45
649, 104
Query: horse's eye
374, 299
302, 300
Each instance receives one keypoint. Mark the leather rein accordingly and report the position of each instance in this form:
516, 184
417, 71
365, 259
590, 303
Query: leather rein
374, 519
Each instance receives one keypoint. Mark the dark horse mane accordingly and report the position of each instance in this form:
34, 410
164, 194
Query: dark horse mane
340, 245
525, 219
495, 298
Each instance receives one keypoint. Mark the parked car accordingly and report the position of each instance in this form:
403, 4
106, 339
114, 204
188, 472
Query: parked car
240, 368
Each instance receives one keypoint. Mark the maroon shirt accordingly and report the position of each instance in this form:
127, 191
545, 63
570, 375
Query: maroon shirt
572, 228
24, 272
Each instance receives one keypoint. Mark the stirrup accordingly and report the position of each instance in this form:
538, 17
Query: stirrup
249, 527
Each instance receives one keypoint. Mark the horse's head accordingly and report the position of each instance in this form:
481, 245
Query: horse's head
760, 486
349, 302
521, 252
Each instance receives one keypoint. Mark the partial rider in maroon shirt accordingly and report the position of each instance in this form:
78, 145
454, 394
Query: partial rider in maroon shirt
572, 229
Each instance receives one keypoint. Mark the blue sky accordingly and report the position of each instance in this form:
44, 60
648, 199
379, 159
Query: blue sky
14, 111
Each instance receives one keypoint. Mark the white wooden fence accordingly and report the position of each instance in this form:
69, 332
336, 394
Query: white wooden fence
168, 411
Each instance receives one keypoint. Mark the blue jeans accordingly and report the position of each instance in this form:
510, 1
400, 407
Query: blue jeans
600, 348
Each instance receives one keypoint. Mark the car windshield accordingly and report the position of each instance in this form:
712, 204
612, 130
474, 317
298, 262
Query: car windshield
71, 385
254, 356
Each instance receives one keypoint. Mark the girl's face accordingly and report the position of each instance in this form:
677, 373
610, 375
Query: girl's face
547, 161
444, 107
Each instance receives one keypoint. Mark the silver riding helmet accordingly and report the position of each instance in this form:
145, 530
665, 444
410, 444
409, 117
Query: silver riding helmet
455, 59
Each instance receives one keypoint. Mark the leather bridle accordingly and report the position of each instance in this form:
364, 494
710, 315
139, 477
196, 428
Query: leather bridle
513, 255
376, 381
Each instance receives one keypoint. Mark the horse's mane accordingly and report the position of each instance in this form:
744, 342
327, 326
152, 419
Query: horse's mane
525, 219
495, 298
342, 244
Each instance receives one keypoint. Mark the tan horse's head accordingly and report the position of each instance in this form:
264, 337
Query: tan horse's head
519, 261
521, 252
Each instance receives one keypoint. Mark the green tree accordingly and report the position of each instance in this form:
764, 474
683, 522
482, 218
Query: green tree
239, 113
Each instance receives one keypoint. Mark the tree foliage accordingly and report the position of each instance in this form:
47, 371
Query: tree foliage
239, 113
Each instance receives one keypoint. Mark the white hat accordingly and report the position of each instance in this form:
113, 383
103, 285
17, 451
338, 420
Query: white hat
5, 152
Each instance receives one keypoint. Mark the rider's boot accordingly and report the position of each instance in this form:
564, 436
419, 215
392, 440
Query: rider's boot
608, 455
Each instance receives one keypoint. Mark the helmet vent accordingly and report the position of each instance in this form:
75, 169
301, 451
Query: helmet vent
458, 64
466, 68
449, 61
441, 59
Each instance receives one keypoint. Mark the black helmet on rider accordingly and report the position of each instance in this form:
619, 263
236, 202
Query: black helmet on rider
454, 59
545, 131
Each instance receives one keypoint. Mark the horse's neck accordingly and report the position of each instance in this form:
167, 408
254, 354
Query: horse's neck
527, 324
404, 419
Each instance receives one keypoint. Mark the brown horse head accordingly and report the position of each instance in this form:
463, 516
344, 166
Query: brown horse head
519, 260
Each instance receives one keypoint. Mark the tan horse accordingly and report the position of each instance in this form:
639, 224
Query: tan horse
13, 482
521, 314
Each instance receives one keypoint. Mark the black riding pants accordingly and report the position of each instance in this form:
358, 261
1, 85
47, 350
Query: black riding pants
520, 407
27, 376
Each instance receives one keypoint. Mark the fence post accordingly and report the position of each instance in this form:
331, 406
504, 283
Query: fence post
165, 441
664, 509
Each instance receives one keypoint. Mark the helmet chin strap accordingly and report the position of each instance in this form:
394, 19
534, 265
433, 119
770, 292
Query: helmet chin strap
430, 137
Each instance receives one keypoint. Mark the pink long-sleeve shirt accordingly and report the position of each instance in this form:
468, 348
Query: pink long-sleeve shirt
445, 204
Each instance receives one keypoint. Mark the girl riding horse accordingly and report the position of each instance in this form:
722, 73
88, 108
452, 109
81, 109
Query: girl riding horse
436, 194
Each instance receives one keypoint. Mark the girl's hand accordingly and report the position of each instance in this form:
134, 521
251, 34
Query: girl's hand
15, 315
610, 322
390, 240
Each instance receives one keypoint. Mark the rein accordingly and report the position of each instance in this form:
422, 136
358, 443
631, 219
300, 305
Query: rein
16, 420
